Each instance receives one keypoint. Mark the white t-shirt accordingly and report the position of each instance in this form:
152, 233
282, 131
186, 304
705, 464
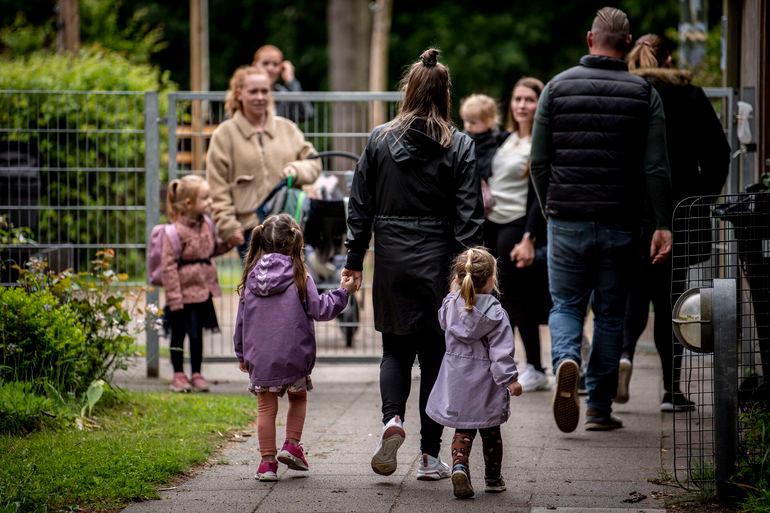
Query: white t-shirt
510, 179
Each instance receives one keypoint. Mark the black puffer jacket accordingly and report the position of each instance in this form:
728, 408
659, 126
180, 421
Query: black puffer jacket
423, 203
699, 156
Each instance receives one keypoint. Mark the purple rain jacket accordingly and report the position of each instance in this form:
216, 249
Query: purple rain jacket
471, 389
274, 331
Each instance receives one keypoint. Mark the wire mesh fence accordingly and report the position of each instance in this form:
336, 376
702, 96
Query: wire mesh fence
722, 238
72, 171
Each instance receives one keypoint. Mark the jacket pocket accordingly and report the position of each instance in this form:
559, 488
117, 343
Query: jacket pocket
244, 192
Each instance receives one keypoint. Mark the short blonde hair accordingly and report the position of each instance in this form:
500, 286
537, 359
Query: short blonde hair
179, 191
480, 106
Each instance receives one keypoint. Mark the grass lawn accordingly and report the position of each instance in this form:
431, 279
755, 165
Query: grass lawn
141, 444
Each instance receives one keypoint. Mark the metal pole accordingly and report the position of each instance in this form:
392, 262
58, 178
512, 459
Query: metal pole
152, 213
725, 325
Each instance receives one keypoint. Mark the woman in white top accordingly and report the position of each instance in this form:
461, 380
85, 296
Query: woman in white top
515, 227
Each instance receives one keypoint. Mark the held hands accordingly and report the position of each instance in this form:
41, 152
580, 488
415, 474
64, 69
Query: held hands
236, 239
515, 388
348, 283
356, 276
243, 366
523, 253
660, 247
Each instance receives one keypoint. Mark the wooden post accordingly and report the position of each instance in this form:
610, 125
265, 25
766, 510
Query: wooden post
199, 80
68, 33
378, 57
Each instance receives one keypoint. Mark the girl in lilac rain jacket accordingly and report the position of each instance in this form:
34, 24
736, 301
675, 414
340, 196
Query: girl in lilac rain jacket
478, 373
275, 335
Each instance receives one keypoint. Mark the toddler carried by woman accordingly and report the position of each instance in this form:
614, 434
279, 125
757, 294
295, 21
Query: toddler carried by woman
478, 373
275, 336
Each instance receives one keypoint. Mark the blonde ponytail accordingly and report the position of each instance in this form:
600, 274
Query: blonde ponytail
472, 270
467, 290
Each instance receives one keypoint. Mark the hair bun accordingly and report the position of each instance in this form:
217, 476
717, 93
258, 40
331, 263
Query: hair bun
429, 57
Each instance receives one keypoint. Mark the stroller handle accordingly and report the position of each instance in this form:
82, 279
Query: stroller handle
321, 154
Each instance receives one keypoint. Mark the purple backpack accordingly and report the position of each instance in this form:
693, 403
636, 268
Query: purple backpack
161, 232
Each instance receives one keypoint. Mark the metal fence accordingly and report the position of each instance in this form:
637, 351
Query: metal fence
72, 171
727, 375
341, 121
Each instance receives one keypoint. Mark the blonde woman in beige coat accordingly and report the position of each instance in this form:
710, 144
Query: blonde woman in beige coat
251, 153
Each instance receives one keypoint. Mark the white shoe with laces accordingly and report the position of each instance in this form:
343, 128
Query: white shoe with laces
432, 469
385, 461
532, 380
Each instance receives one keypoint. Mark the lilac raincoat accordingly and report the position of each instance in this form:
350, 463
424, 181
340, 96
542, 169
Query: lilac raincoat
274, 331
471, 388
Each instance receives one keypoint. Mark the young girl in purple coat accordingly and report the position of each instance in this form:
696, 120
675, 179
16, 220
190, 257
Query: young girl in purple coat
478, 374
275, 336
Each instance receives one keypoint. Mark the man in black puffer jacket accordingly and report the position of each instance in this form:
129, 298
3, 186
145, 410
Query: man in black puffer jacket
598, 151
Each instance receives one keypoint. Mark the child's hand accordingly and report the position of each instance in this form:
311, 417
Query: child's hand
515, 388
243, 366
348, 283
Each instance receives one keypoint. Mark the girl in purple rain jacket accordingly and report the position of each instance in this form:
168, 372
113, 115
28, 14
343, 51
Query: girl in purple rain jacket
478, 373
275, 336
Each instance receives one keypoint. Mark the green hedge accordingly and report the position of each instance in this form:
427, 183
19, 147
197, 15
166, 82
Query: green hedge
89, 146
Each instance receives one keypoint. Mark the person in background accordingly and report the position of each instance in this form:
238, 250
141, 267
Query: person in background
281, 72
250, 154
274, 337
478, 374
415, 186
699, 157
190, 277
515, 227
598, 156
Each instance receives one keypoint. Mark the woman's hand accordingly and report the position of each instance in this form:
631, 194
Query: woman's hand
289, 171
355, 275
236, 239
515, 388
287, 71
523, 253
243, 366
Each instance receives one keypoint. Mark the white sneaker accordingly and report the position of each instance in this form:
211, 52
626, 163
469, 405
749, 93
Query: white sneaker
624, 380
532, 380
384, 461
432, 469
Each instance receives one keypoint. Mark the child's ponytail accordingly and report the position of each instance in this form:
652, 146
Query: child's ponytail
298, 264
171, 198
467, 290
252, 256
472, 269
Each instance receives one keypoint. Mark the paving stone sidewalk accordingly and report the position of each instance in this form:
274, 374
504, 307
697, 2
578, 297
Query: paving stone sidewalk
545, 470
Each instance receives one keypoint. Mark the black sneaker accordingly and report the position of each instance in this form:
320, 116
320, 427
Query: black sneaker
461, 481
565, 402
595, 421
676, 402
494, 484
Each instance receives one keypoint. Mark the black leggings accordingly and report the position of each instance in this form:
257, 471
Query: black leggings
655, 283
398, 354
516, 285
178, 333
491, 443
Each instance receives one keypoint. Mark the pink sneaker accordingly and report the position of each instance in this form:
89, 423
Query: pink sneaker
199, 383
267, 471
180, 383
292, 456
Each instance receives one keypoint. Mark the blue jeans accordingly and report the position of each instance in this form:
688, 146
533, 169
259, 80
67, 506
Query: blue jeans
588, 260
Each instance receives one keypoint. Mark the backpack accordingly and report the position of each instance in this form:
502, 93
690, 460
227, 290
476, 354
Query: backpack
284, 198
161, 232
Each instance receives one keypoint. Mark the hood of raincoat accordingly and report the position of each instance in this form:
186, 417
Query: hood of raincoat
469, 326
414, 144
272, 275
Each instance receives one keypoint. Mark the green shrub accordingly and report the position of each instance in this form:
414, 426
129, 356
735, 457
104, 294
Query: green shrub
88, 144
40, 341
21, 410
753, 475
108, 314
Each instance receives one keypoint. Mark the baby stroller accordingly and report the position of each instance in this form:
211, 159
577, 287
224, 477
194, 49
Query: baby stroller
325, 228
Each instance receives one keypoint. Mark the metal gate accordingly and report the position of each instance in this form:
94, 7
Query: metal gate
341, 121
